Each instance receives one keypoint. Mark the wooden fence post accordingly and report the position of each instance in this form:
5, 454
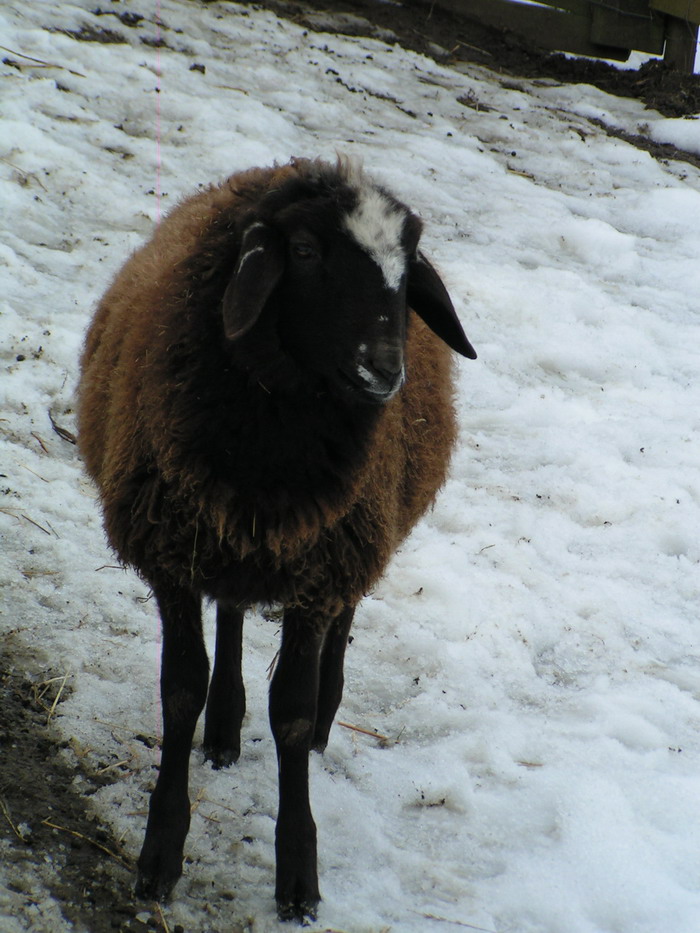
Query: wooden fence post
681, 44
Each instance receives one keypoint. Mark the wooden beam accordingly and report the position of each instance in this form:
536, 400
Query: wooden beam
571, 6
688, 10
681, 45
629, 30
552, 29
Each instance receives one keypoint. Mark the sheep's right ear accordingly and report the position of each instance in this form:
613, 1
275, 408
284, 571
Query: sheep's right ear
258, 270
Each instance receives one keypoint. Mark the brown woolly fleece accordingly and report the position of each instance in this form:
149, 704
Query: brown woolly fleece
223, 467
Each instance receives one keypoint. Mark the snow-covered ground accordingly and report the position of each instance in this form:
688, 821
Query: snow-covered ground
533, 653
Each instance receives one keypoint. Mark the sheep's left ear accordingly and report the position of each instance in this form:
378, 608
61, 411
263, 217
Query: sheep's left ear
258, 270
429, 299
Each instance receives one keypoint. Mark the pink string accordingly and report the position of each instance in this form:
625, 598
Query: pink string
158, 93
157, 712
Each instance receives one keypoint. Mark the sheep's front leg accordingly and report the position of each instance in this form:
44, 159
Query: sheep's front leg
183, 684
293, 699
330, 690
226, 700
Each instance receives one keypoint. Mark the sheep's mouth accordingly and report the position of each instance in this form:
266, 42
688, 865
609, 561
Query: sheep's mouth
371, 387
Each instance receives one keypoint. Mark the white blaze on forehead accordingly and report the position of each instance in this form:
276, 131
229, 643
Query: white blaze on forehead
376, 225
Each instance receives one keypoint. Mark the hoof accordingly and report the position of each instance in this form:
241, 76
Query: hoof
297, 911
154, 888
221, 757
320, 738
158, 870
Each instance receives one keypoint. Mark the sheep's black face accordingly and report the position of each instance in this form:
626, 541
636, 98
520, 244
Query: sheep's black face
343, 312
328, 264
339, 318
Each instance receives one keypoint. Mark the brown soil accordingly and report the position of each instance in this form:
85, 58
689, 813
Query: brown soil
79, 864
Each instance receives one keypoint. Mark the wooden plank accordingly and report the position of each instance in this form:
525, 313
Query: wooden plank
688, 10
550, 29
572, 6
642, 33
503, 13
681, 45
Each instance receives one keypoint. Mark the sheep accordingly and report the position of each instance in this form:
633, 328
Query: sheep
265, 406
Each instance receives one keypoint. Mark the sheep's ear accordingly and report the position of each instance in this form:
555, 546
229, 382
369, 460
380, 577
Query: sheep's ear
429, 299
258, 270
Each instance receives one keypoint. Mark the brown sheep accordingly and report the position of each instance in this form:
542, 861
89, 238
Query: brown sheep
266, 420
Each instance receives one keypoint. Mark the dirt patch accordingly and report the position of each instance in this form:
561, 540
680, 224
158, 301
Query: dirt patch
94, 34
664, 152
448, 38
655, 84
127, 18
79, 864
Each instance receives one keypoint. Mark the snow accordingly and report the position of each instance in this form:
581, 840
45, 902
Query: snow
683, 133
532, 653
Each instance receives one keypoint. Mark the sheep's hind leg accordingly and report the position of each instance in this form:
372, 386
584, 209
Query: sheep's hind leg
226, 700
293, 699
330, 690
183, 682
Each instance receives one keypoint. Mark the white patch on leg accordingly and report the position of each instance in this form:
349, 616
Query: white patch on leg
376, 225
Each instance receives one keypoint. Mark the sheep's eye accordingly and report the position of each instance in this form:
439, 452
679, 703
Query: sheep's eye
302, 249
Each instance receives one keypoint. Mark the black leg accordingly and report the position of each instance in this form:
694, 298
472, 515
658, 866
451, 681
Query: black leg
226, 700
183, 684
293, 699
330, 689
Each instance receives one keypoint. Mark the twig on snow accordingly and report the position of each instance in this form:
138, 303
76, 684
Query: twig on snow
458, 923
30, 574
166, 928
34, 473
15, 513
371, 732
41, 63
116, 764
6, 813
63, 433
40, 442
272, 665
39, 690
36, 524
93, 842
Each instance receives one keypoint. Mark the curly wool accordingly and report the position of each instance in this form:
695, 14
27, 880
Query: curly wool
225, 467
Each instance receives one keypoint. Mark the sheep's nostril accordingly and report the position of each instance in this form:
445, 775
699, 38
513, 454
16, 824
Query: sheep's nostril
380, 380
387, 369
390, 380
387, 360
378, 371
